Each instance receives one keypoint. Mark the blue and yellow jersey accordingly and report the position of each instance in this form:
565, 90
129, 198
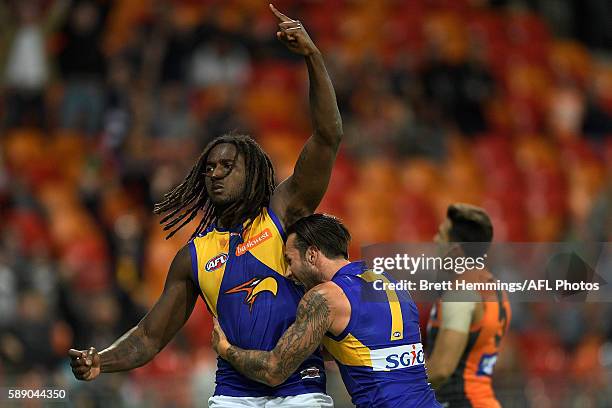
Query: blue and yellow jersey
241, 275
380, 354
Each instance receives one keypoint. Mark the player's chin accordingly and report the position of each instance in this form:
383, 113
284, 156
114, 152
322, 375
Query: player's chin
221, 199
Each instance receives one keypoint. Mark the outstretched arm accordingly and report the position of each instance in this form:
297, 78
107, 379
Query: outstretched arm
301, 339
141, 343
301, 193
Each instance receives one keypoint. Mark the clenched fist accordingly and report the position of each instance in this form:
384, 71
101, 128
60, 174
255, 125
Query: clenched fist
85, 364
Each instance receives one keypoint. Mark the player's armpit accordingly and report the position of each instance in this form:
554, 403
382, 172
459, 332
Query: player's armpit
445, 356
300, 194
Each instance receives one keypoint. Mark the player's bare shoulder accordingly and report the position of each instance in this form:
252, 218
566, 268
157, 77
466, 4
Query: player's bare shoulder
337, 302
329, 290
181, 267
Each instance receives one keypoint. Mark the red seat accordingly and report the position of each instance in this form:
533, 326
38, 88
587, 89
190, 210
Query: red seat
416, 218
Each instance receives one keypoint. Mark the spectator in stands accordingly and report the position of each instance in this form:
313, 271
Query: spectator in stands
25, 69
83, 66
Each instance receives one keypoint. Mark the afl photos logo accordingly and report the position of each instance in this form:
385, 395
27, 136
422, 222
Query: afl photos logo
216, 262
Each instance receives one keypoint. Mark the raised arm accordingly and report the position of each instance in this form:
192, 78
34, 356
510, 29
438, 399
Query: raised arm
302, 338
302, 192
141, 343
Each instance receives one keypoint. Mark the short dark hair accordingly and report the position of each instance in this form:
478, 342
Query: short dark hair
323, 231
470, 224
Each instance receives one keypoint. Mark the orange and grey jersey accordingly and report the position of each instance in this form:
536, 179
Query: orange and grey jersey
470, 384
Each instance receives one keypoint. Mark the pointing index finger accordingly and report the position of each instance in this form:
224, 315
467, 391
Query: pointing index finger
89, 358
279, 15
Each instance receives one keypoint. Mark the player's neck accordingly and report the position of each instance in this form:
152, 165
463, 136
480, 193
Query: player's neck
331, 267
226, 223
227, 219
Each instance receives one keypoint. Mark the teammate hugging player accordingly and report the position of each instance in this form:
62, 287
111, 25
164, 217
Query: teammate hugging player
235, 260
373, 335
466, 332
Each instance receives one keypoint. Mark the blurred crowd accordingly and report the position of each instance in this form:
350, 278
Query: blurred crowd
105, 105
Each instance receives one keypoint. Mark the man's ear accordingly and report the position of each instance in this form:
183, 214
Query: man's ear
312, 253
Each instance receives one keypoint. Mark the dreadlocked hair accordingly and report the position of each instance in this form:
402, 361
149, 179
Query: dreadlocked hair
183, 203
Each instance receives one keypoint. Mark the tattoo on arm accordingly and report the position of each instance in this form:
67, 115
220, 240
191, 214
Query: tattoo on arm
299, 341
252, 363
305, 335
130, 351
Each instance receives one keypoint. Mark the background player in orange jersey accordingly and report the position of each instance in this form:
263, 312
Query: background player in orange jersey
466, 331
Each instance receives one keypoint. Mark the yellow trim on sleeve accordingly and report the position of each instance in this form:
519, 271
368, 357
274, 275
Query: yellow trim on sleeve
349, 351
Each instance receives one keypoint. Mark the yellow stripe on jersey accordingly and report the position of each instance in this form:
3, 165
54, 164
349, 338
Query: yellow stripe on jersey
348, 351
268, 251
207, 248
397, 322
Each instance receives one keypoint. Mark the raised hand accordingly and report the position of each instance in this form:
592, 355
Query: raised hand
85, 364
293, 34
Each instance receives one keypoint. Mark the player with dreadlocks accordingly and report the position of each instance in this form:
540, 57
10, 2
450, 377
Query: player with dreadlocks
190, 197
235, 259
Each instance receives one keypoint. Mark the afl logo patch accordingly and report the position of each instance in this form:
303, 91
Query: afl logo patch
216, 262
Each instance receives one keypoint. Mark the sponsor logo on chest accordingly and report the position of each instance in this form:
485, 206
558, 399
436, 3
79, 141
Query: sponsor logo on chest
396, 358
253, 242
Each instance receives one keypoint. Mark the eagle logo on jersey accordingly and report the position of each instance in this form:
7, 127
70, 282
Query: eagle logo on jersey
254, 287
